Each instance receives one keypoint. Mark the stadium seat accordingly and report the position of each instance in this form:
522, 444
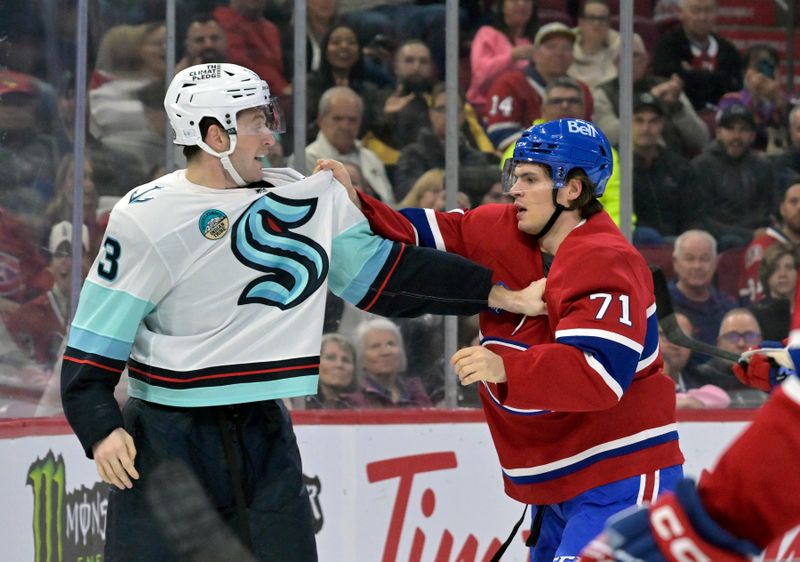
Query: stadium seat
729, 271
660, 256
549, 16
641, 8
646, 29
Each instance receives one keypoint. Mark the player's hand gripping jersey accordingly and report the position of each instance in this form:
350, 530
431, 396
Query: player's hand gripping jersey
184, 267
586, 403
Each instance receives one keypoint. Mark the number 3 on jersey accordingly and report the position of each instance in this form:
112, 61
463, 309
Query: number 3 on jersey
108, 266
625, 305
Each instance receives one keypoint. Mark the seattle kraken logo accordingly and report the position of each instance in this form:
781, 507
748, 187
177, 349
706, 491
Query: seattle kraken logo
295, 265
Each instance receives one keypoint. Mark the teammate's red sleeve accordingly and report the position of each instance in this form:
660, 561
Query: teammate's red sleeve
754, 491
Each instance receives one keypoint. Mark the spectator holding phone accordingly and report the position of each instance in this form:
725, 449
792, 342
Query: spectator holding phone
764, 97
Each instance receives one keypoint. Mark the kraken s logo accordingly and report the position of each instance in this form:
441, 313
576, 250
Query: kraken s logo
295, 265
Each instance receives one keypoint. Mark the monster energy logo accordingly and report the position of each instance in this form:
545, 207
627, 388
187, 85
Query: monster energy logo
66, 526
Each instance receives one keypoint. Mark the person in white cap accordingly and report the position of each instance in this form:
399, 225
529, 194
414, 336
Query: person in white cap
38, 326
515, 98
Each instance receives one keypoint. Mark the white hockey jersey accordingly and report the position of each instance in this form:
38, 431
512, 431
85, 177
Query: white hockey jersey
217, 296
185, 273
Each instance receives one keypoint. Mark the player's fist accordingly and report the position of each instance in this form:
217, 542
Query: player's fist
675, 528
764, 368
761, 372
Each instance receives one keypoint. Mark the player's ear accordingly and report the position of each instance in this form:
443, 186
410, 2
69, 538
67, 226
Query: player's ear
217, 138
574, 187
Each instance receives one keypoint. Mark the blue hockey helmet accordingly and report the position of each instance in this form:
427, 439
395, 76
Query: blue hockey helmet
564, 145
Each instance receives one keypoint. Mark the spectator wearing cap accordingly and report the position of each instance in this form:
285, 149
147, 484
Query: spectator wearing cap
664, 184
736, 183
684, 130
28, 156
38, 326
709, 65
595, 45
764, 96
516, 96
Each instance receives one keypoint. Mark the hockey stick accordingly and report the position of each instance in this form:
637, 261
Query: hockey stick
669, 323
187, 519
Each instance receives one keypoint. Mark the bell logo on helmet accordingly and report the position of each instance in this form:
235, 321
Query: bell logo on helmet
582, 128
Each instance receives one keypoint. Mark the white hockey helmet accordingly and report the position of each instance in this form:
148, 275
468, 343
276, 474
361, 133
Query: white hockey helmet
218, 90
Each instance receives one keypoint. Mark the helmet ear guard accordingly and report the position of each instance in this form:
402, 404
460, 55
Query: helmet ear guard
563, 145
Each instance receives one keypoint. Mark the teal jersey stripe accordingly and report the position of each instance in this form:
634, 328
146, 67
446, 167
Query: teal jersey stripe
89, 342
110, 313
223, 395
357, 258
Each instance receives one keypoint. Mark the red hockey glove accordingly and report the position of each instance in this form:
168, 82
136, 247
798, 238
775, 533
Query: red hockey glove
674, 529
761, 371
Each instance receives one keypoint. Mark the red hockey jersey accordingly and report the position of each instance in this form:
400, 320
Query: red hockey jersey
753, 492
515, 102
585, 403
750, 289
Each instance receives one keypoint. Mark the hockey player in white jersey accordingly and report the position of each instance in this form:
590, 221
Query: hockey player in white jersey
210, 287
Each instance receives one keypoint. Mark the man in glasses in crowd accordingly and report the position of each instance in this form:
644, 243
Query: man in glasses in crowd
738, 332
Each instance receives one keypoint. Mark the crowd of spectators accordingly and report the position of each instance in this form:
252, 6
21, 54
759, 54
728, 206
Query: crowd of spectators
716, 156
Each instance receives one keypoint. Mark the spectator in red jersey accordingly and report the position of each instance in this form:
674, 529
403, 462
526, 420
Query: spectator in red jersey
750, 286
515, 97
19, 262
709, 65
28, 153
505, 44
254, 42
39, 326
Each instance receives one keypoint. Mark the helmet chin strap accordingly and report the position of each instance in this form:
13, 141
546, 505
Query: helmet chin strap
559, 208
225, 160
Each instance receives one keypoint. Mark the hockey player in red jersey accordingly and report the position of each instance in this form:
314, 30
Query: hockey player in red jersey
735, 511
739, 507
581, 415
